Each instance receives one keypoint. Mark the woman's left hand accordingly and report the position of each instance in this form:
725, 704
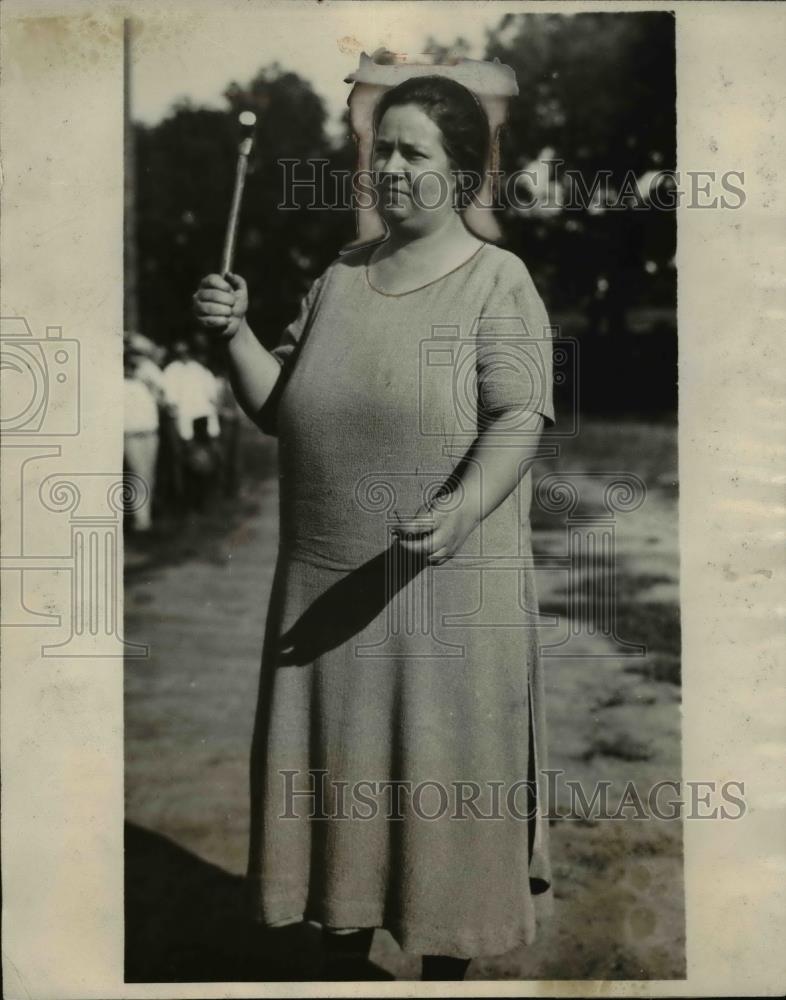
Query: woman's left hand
438, 531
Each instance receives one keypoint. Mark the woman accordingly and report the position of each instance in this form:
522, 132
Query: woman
406, 430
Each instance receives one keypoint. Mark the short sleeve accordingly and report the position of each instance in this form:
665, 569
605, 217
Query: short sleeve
287, 350
514, 364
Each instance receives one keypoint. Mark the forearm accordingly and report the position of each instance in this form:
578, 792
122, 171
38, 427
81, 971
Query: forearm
496, 462
489, 471
253, 371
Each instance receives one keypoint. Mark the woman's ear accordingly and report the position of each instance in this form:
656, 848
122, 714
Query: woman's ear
455, 181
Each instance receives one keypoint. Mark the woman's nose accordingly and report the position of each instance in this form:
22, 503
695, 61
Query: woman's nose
394, 164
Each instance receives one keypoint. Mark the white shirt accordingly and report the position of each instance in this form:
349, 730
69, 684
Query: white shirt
149, 373
192, 390
139, 407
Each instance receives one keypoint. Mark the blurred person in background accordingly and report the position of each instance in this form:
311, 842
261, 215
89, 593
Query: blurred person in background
148, 357
191, 390
229, 416
140, 439
192, 393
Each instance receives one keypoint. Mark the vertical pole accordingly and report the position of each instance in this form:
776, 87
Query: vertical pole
130, 289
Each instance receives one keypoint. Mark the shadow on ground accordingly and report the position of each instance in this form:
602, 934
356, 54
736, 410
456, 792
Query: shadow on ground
185, 922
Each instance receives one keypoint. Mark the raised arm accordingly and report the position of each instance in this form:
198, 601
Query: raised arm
220, 307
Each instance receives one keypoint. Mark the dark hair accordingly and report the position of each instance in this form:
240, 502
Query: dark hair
457, 113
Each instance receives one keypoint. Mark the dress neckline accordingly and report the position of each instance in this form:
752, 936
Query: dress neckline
399, 295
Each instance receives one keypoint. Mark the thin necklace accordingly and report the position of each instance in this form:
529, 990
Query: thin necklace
398, 295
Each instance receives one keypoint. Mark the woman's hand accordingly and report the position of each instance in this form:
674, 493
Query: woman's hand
220, 304
438, 531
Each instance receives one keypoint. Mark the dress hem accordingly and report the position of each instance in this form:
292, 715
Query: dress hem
412, 939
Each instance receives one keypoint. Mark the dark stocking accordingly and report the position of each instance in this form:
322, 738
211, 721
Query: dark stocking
344, 953
443, 967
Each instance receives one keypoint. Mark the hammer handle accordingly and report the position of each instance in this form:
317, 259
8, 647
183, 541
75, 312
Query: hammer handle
234, 212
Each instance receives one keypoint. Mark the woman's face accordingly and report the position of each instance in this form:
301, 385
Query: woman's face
414, 178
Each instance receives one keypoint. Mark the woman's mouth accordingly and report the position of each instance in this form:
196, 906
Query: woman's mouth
395, 191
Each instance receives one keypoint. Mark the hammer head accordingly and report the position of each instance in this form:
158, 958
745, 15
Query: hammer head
247, 121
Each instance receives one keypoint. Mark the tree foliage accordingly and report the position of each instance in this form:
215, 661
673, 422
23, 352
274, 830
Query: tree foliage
597, 91
599, 88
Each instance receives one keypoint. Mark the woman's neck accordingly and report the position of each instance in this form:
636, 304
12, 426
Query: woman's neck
449, 239
399, 265
407, 245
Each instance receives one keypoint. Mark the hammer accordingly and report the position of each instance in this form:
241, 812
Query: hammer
247, 121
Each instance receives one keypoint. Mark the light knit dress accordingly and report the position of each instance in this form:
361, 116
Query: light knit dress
378, 668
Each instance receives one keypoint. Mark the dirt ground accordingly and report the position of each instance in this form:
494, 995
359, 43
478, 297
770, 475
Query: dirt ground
197, 595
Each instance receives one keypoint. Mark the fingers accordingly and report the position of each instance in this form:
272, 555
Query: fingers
236, 282
214, 322
422, 544
217, 282
415, 550
414, 527
435, 541
429, 546
213, 309
219, 301
213, 295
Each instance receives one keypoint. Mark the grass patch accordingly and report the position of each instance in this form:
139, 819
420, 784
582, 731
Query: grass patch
661, 667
